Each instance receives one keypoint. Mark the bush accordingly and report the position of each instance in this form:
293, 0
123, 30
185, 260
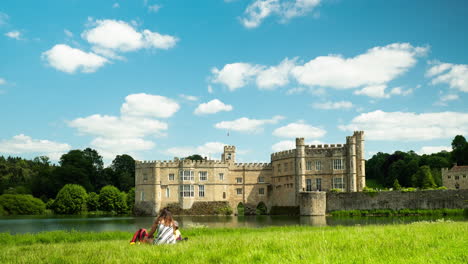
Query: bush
131, 199
112, 200
93, 201
21, 204
2, 211
225, 210
71, 199
409, 189
336, 190
50, 204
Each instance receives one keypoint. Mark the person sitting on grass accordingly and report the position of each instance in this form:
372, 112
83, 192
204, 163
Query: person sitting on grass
163, 226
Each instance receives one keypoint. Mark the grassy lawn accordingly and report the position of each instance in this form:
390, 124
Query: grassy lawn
437, 242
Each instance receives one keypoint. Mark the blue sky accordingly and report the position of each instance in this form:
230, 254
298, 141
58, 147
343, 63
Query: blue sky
157, 79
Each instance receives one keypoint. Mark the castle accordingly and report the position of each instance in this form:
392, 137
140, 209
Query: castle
292, 175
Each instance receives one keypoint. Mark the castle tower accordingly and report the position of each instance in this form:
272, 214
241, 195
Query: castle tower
229, 154
360, 160
157, 189
352, 169
300, 165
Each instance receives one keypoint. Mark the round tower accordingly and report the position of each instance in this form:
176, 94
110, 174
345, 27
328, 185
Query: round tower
352, 172
300, 166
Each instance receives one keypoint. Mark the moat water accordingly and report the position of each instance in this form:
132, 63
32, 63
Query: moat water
35, 224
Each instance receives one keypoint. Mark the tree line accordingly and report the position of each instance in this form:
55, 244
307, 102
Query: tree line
408, 169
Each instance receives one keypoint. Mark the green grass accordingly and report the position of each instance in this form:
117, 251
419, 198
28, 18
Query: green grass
402, 212
424, 242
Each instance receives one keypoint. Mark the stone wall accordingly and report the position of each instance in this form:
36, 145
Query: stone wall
312, 203
433, 199
201, 208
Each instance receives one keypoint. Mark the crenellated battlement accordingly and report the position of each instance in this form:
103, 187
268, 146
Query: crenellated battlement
283, 154
325, 146
252, 165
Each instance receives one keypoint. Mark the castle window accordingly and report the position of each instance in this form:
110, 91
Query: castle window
457, 177
186, 175
261, 191
142, 196
221, 176
464, 176
239, 180
449, 177
203, 175
286, 167
168, 191
318, 165
201, 190
338, 164
318, 183
338, 183
239, 191
224, 195
308, 185
309, 165
261, 179
171, 176
145, 177
279, 167
187, 190
228, 156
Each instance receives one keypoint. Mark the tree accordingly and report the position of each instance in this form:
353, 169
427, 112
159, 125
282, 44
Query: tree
71, 199
124, 168
92, 202
195, 157
131, 199
424, 178
21, 204
112, 200
460, 150
396, 185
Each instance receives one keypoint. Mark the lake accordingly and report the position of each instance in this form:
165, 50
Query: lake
34, 224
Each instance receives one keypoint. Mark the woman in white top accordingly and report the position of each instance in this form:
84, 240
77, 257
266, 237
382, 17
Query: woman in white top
163, 226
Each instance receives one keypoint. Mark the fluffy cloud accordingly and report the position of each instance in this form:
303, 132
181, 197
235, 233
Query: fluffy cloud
291, 144
380, 125
245, 124
235, 75
296, 90
369, 72
455, 75
120, 36
207, 150
275, 76
333, 105
188, 97
21, 144
433, 149
299, 129
67, 59
149, 105
258, 10
212, 107
13, 34
377, 66
446, 98
126, 133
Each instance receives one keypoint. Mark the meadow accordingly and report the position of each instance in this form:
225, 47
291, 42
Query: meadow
421, 242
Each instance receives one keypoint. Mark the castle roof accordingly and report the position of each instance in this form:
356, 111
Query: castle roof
459, 168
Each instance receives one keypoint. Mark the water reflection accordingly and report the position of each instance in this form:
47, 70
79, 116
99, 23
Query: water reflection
34, 224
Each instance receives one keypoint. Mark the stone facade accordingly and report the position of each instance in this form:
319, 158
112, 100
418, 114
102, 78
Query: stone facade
307, 168
455, 177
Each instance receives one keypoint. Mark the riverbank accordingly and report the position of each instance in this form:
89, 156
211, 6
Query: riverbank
423, 242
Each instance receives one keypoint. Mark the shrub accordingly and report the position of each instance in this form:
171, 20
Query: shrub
21, 204
411, 189
50, 204
2, 211
131, 200
71, 199
396, 185
336, 190
93, 201
225, 210
112, 200
441, 188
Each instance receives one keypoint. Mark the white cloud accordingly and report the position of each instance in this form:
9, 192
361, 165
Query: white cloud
374, 91
291, 144
154, 8
2, 81
400, 91
380, 125
212, 107
333, 105
377, 66
248, 125
118, 127
210, 89
208, 149
14, 34
120, 36
455, 75
149, 105
446, 98
299, 129
235, 75
68, 33
433, 149
189, 97
296, 90
67, 59
115, 5
275, 76
21, 144
258, 10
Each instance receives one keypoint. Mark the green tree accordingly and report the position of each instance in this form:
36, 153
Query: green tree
112, 200
396, 185
92, 202
460, 150
424, 177
21, 204
195, 157
124, 169
131, 199
71, 199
